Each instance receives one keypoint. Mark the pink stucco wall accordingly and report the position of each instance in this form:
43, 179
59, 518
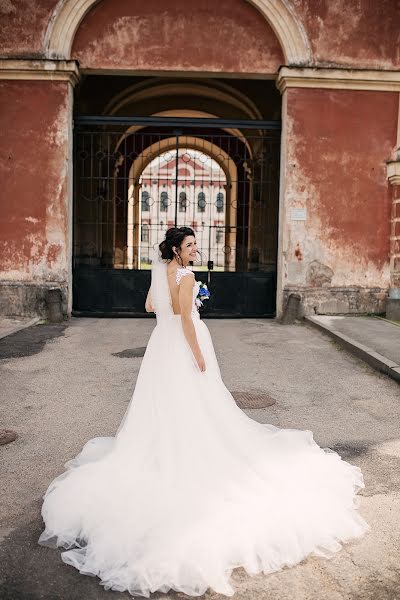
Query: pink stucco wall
177, 36
336, 147
361, 34
34, 153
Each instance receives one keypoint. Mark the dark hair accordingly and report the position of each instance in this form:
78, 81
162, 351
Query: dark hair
174, 237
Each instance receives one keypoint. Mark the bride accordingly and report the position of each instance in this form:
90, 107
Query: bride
190, 487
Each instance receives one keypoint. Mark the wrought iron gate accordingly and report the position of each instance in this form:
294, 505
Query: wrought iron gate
134, 178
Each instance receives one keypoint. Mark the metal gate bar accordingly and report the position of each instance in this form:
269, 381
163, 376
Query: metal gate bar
178, 122
219, 176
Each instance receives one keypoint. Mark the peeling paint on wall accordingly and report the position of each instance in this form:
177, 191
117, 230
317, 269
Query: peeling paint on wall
360, 33
337, 144
23, 26
230, 36
34, 224
7, 7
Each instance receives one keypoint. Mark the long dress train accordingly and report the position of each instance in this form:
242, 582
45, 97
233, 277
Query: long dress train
190, 487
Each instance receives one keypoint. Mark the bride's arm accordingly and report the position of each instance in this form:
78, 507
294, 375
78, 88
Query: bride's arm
149, 306
185, 303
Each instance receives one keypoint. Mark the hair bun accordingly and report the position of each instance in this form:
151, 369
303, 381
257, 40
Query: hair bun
174, 237
171, 232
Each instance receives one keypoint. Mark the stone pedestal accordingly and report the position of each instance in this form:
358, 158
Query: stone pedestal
393, 309
393, 301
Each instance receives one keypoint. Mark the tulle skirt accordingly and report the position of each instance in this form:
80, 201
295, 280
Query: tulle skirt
190, 487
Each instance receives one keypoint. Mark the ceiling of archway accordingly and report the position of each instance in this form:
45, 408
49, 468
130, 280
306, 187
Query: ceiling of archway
233, 99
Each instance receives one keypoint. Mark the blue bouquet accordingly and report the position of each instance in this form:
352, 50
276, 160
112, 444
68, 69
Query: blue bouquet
203, 294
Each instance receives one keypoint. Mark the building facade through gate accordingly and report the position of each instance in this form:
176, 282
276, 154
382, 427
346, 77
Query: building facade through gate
270, 126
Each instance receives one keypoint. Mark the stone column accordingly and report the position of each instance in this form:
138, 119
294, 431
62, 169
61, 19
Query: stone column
36, 104
393, 300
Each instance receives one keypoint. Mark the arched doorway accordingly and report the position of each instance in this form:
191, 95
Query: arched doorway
223, 105
134, 180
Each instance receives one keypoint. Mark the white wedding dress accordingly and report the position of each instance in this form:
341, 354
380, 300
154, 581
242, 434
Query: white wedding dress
190, 487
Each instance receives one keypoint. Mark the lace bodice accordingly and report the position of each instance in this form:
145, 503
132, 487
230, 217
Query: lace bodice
182, 272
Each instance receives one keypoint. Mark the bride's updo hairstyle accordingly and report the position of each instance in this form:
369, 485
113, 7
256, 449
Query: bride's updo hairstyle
174, 238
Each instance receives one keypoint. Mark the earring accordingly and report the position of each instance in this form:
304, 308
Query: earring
177, 257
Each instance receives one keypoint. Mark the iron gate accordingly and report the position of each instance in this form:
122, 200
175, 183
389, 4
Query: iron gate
134, 178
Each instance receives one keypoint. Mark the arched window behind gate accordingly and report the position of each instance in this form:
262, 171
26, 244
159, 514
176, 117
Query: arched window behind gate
145, 234
164, 201
145, 201
182, 202
201, 202
219, 202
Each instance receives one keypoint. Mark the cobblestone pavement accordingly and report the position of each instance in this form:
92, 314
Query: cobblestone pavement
61, 385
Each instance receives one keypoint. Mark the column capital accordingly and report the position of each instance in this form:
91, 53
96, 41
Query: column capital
340, 79
393, 171
38, 69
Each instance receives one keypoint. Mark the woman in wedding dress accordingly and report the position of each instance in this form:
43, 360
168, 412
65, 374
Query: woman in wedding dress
190, 487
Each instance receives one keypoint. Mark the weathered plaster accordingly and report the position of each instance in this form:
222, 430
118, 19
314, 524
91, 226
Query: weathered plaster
34, 227
360, 33
292, 36
119, 34
334, 167
23, 26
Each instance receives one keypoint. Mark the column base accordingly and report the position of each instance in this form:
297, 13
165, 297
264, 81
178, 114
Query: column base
338, 300
26, 299
393, 309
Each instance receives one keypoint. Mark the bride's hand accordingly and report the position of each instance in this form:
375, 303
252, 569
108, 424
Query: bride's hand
201, 363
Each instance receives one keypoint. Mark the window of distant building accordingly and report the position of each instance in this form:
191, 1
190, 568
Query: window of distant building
219, 203
145, 201
145, 234
164, 202
219, 235
182, 202
201, 202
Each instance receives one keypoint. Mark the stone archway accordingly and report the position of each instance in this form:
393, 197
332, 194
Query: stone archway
68, 15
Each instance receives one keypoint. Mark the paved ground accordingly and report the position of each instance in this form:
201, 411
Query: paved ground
9, 325
378, 334
372, 339
60, 392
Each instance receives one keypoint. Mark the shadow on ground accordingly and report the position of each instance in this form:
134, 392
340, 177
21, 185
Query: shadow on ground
29, 571
29, 341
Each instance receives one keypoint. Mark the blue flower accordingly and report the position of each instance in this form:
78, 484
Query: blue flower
203, 294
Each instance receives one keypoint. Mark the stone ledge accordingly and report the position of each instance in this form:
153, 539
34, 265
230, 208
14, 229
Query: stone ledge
393, 309
335, 78
30, 69
338, 300
374, 359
